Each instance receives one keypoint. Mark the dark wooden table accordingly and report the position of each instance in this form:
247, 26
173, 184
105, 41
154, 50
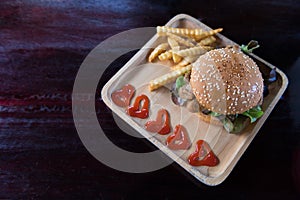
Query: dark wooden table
42, 45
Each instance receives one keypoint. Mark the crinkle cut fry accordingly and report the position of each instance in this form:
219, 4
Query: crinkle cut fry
207, 41
173, 43
198, 50
168, 78
197, 33
158, 50
181, 64
187, 60
205, 34
176, 58
175, 47
166, 55
178, 31
189, 42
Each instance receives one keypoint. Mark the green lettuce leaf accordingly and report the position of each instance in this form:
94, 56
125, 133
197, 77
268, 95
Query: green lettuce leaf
228, 125
180, 82
253, 113
253, 44
214, 114
239, 124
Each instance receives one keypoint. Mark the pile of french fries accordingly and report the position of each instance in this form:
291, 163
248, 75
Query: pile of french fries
183, 47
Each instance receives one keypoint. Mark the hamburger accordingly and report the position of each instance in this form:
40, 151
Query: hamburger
227, 87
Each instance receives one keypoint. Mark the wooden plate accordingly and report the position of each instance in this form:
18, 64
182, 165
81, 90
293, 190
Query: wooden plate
228, 147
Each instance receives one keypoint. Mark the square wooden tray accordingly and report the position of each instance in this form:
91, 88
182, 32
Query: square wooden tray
228, 147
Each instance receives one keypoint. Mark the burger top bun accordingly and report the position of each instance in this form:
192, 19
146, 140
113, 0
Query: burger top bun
227, 81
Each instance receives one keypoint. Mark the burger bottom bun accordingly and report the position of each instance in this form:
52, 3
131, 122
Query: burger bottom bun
209, 119
215, 121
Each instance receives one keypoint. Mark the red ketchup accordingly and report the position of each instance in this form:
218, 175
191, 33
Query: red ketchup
123, 96
179, 140
203, 156
136, 111
162, 123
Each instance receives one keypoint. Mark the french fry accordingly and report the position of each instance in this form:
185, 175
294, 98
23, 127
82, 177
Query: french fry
158, 50
180, 65
196, 42
205, 34
161, 30
173, 43
191, 59
197, 33
175, 47
198, 50
186, 42
187, 60
166, 55
176, 58
168, 78
207, 41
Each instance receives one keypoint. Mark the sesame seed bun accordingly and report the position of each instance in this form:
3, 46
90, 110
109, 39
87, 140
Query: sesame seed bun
227, 81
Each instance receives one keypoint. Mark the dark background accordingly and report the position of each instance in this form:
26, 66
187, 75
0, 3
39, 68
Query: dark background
43, 43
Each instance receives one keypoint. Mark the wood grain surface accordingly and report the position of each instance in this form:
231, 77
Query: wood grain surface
42, 45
